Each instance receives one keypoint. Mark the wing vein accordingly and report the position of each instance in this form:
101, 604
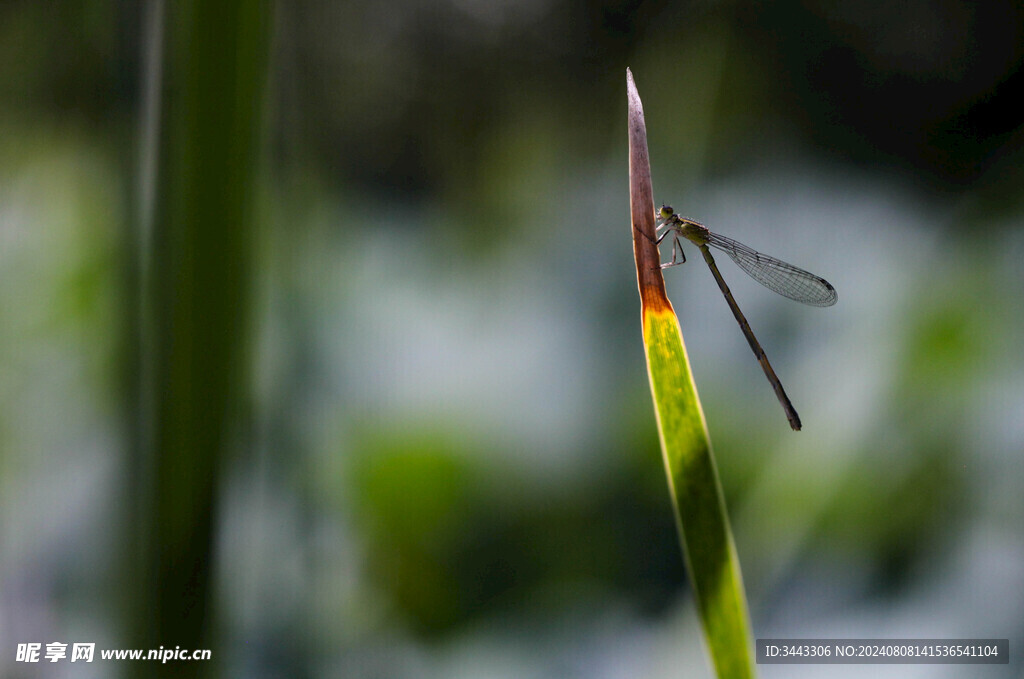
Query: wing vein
776, 275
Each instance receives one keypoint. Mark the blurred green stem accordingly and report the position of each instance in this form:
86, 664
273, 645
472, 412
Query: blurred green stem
215, 67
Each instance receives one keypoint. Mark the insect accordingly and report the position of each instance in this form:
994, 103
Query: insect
776, 275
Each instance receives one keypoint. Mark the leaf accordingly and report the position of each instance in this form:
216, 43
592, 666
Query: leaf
708, 546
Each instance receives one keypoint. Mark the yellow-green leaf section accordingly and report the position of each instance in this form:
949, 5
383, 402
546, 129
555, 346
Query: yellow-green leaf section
697, 496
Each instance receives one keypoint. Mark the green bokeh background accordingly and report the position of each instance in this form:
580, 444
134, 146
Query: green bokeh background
449, 465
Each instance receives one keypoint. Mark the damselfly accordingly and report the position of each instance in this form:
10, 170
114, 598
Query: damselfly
774, 274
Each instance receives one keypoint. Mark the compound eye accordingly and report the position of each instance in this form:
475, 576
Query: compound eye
666, 211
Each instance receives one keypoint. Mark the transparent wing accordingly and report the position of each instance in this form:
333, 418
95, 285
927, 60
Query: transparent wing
785, 279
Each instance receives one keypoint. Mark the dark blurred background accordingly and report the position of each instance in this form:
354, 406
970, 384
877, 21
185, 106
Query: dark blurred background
451, 467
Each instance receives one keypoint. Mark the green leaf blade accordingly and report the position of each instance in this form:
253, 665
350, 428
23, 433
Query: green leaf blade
697, 498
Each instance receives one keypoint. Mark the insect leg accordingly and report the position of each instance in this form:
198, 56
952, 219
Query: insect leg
677, 250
